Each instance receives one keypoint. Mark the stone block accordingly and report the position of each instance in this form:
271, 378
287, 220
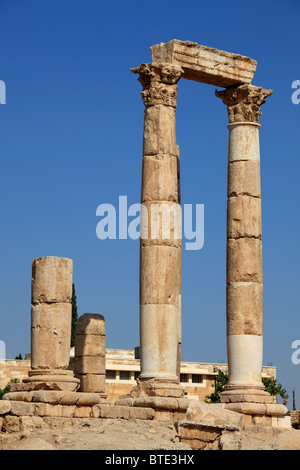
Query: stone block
51, 280
262, 420
5, 407
206, 64
19, 408
50, 335
244, 308
289, 440
141, 413
159, 131
92, 383
209, 415
161, 224
159, 274
114, 412
11, 424
89, 365
90, 345
91, 324
244, 142
244, 217
82, 412
159, 337
160, 178
49, 410
244, 179
244, 260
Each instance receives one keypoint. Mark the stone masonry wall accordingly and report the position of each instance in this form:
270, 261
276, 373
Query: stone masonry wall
13, 369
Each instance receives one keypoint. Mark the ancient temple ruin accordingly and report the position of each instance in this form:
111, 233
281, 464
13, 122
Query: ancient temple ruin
51, 388
160, 258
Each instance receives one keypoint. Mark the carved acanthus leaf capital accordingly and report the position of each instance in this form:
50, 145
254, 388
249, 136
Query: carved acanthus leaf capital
159, 83
243, 102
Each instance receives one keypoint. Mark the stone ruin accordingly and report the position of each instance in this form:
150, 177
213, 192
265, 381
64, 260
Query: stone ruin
52, 390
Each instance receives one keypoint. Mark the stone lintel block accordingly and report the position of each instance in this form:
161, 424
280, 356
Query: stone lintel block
159, 131
244, 260
89, 365
245, 308
206, 64
244, 179
159, 274
244, 217
51, 279
92, 383
160, 178
91, 324
50, 335
161, 223
90, 345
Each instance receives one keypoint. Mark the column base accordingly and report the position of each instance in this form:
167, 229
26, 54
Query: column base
246, 394
157, 388
49, 379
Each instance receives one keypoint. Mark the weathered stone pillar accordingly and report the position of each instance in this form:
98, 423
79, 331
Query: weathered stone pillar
160, 250
244, 246
51, 324
90, 353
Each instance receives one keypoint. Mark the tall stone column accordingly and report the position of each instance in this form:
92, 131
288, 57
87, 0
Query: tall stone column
160, 249
244, 246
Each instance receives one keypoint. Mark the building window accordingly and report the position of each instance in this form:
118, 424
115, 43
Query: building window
111, 374
136, 374
197, 379
124, 375
183, 378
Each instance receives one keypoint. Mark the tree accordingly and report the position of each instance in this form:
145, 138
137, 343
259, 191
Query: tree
221, 380
275, 389
19, 357
74, 316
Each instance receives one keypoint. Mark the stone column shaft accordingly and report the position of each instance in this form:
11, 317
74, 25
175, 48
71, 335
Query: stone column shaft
244, 245
90, 365
51, 324
160, 249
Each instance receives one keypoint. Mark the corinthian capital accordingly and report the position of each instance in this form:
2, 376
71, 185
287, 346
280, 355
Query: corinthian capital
243, 102
159, 83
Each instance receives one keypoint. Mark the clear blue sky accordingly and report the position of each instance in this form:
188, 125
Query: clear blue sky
71, 139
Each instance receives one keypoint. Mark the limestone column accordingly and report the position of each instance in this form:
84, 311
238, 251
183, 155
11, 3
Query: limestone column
51, 325
90, 353
160, 248
244, 246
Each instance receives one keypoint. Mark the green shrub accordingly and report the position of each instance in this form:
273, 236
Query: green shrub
6, 389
